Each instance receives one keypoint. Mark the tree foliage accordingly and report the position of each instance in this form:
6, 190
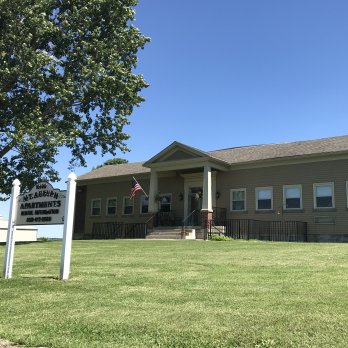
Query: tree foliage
112, 161
66, 80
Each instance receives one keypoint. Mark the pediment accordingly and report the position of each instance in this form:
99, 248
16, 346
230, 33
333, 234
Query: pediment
176, 152
176, 155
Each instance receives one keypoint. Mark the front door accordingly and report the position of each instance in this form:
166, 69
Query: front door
195, 203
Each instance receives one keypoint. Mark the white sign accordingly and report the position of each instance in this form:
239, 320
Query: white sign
43, 205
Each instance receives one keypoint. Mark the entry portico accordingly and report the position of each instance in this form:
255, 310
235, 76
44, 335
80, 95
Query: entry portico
196, 167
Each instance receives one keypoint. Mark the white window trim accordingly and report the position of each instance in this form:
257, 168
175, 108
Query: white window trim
231, 199
141, 205
318, 184
257, 189
171, 200
124, 201
284, 197
107, 206
92, 200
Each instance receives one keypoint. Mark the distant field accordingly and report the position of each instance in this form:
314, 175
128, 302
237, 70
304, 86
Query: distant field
132, 293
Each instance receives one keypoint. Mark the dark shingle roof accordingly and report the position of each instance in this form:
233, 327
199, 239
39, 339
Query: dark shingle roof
115, 170
240, 155
272, 151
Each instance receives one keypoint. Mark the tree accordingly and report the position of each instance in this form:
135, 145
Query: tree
112, 161
66, 80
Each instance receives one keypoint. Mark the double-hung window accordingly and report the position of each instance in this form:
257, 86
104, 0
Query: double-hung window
238, 199
111, 206
264, 198
324, 195
95, 207
292, 197
127, 206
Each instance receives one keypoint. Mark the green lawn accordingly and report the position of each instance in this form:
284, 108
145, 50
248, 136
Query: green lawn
131, 293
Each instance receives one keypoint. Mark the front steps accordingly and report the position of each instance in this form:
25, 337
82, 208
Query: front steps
174, 233
165, 233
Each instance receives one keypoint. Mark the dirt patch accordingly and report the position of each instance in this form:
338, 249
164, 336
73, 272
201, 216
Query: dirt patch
7, 344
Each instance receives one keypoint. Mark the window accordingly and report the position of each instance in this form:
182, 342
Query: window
238, 199
144, 205
127, 206
165, 202
292, 197
95, 207
324, 195
111, 205
264, 198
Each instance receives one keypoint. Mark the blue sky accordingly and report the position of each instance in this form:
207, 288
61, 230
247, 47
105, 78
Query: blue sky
232, 73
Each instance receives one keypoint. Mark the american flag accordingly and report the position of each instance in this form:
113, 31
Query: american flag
135, 188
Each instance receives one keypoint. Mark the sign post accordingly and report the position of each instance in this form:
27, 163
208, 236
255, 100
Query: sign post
68, 227
10, 241
42, 205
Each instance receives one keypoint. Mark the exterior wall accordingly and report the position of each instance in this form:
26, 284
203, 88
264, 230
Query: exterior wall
80, 212
305, 174
120, 189
175, 186
22, 233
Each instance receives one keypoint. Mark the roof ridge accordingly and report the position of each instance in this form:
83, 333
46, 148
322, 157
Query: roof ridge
281, 143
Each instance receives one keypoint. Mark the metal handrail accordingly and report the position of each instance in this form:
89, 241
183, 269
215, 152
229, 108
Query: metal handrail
147, 222
192, 212
184, 221
213, 226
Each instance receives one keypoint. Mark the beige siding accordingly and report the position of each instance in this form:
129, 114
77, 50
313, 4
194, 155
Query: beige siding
173, 185
304, 174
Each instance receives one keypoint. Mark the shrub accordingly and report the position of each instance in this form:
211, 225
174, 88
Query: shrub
220, 238
42, 239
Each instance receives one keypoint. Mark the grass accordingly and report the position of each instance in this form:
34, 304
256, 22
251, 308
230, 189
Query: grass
131, 293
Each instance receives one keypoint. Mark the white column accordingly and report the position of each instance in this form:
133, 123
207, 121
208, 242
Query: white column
68, 227
207, 204
10, 241
153, 205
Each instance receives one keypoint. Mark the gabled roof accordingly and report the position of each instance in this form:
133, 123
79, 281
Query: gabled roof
229, 157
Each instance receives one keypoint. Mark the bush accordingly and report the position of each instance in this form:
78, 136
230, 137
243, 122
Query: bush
220, 238
42, 239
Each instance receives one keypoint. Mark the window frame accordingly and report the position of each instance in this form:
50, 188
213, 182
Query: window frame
231, 199
96, 200
320, 184
107, 206
299, 186
258, 189
124, 206
141, 204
